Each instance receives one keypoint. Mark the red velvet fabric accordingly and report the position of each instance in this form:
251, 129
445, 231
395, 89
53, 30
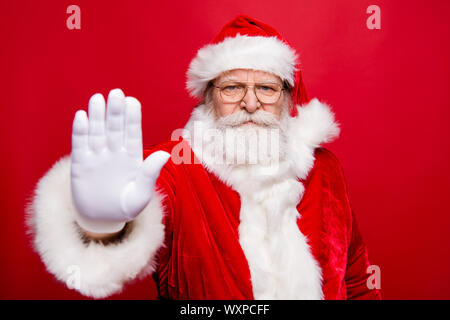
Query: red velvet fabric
202, 257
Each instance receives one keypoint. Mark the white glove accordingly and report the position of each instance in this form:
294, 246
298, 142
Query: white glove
111, 184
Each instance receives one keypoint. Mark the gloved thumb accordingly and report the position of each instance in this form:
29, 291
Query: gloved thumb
151, 168
139, 192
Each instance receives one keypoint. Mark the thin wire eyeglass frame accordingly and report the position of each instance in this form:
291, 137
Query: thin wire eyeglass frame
221, 87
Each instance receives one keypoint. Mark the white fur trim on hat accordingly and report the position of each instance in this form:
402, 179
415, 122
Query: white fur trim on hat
268, 54
93, 269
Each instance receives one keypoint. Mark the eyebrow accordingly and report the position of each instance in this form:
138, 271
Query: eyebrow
244, 81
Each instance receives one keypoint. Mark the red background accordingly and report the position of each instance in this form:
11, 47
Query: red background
388, 87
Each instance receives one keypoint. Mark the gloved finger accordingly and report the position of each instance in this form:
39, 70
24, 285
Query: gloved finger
115, 114
133, 128
97, 137
80, 130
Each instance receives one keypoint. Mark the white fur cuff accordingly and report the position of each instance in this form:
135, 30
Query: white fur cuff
94, 269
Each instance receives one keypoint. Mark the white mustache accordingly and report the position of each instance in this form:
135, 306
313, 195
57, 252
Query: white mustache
260, 117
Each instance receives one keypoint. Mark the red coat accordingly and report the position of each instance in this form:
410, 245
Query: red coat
215, 231
202, 257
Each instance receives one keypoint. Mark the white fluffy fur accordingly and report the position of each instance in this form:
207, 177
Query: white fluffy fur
278, 254
104, 269
314, 125
241, 52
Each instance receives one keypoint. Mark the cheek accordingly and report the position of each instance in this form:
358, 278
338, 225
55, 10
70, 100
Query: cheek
282, 104
224, 109
275, 109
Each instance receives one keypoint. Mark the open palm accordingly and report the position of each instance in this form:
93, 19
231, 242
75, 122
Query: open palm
111, 183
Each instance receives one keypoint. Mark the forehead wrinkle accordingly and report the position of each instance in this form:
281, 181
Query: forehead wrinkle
266, 77
244, 75
267, 81
231, 79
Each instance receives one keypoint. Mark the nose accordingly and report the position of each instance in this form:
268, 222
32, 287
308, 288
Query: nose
250, 101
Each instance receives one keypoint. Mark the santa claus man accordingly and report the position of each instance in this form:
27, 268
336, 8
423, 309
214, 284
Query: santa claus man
244, 203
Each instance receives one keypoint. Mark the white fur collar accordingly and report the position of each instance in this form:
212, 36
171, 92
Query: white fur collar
279, 258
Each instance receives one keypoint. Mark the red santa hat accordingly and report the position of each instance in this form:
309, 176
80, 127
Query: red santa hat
246, 43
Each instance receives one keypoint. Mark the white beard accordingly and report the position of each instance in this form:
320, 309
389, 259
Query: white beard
279, 258
252, 145
228, 143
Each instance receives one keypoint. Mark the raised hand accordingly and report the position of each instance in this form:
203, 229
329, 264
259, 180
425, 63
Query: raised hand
111, 183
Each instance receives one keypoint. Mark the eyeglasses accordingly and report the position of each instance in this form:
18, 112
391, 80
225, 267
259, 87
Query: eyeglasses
233, 91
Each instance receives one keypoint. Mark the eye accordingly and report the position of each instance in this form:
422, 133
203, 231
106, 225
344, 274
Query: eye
267, 88
232, 89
